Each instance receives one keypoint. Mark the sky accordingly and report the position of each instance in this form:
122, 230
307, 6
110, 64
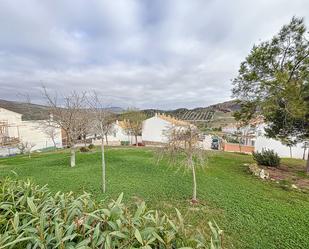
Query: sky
135, 53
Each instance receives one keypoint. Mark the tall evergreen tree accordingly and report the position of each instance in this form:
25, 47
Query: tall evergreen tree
273, 81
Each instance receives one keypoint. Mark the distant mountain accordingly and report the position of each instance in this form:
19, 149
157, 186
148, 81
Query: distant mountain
37, 112
115, 109
217, 115
28, 111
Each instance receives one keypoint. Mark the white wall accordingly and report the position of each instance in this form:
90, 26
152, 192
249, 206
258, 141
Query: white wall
206, 143
33, 132
229, 129
13, 119
282, 150
154, 129
27, 131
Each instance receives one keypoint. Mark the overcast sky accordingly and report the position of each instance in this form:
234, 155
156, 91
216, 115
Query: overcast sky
147, 54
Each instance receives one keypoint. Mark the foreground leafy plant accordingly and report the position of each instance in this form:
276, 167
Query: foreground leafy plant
30, 217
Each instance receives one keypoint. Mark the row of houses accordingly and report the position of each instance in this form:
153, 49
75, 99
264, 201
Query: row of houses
14, 130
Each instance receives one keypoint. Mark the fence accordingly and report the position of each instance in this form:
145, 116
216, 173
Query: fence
231, 147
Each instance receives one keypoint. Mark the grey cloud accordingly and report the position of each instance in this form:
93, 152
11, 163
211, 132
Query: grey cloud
149, 54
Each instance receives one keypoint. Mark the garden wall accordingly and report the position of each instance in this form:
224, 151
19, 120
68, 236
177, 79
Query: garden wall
231, 147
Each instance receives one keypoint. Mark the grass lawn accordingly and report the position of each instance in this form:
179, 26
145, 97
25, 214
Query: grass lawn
252, 213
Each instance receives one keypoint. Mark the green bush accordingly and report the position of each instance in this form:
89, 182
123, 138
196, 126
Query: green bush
84, 149
266, 158
124, 143
91, 146
30, 217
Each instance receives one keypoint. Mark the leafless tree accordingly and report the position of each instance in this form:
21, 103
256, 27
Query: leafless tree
133, 123
22, 147
50, 128
109, 125
69, 115
85, 125
183, 147
102, 125
25, 147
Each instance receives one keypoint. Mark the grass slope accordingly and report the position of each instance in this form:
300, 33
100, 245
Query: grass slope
253, 214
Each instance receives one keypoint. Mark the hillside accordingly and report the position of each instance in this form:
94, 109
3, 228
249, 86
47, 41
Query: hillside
217, 115
36, 112
29, 111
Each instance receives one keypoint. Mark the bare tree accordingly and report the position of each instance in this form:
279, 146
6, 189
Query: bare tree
51, 132
22, 146
69, 116
85, 125
102, 125
50, 128
133, 123
183, 147
25, 147
109, 125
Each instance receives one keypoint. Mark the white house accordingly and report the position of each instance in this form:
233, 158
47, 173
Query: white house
154, 129
230, 129
14, 130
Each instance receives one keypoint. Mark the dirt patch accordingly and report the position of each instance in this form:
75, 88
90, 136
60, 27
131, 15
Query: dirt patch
295, 176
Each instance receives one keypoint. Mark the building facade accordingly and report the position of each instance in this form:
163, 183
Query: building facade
15, 131
155, 128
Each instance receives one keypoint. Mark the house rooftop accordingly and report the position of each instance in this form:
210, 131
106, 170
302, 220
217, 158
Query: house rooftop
172, 120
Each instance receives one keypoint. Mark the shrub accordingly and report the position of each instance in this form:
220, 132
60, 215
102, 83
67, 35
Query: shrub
91, 146
30, 217
84, 149
124, 143
266, 158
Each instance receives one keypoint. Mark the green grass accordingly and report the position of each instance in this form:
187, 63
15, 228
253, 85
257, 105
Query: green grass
252, 213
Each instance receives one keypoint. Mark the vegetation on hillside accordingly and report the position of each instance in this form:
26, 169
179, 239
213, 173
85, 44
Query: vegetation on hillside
213, 116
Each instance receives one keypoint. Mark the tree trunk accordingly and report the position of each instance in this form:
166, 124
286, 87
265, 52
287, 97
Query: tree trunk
136, 143
103, 166
72, 156
85, 140
291, 152
106, 139
307, 166
194, 180
54, 142
191, 164
239, 144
